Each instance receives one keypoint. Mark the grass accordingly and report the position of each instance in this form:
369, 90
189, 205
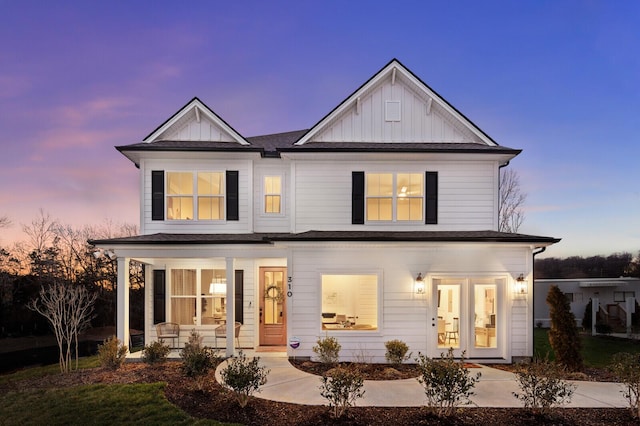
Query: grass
596, 350
94, 404
48, 370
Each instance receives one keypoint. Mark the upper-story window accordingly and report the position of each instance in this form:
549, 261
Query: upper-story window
182, 200
394, 196
273, 194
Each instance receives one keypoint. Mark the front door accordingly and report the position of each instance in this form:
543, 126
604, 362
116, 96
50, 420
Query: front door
273, 316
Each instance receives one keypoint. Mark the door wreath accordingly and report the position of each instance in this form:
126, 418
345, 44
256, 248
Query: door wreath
273, 292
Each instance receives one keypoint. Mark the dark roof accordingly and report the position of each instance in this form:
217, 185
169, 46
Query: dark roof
389, 236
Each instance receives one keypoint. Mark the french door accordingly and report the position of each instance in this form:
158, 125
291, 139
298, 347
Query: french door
467, 316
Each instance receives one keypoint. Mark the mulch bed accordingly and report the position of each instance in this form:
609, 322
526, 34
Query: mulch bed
216, 402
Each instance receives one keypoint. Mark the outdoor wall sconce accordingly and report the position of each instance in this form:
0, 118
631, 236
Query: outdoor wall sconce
419, 284
521, 285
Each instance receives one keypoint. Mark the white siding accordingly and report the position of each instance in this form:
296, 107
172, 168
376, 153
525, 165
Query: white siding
188, 128
415, 125
402, 314
223, 226
467, 194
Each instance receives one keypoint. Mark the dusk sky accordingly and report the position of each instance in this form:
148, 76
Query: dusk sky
558, 79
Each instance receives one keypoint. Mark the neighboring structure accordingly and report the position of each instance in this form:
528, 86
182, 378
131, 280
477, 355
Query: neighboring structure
611, 293
380, 222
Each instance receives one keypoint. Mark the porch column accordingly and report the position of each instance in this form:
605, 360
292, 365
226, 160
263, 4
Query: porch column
122, 300
231, 311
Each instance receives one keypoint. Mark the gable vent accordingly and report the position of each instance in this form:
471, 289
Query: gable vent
392, 110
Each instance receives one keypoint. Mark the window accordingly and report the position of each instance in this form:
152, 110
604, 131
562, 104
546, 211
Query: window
349, 302
569, 297
394, 197
198, 301
273, 194
181, 202
621, 296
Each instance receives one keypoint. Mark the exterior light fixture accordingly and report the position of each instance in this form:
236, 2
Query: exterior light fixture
521, 285
419, 284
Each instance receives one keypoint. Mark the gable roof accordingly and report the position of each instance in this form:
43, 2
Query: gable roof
196, 122
395, 90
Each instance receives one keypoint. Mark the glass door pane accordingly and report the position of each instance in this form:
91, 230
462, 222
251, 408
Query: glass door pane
485, 315
447, 298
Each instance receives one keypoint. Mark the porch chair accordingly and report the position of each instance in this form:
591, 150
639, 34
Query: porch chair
168, 330
453, 334
221, 332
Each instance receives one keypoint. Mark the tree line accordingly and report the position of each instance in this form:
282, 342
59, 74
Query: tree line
57, 254
613, 266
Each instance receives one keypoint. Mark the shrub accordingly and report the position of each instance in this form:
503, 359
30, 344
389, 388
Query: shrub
155, 352
563, 335
541, 385
328, 350
112, 353
626, 367
342, 388
396, 351
197, 359
447, 383
244, 377
587, 318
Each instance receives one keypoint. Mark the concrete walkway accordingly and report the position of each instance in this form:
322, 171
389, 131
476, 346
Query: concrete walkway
286, 383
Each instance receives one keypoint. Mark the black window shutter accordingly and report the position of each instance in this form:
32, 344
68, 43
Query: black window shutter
159, 293
357, 198
232, 195
157, 195
431, 198
239, 295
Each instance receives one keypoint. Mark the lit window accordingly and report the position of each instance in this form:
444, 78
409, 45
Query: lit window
272, 194
405, 203
349, 302
187, 293
209, 187
210, 196
179, 196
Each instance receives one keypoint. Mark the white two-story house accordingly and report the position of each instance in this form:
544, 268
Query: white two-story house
380, 222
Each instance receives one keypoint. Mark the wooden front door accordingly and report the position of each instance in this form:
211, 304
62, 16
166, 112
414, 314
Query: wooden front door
273, 315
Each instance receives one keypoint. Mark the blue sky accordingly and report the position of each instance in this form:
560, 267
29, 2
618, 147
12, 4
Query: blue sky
558, 79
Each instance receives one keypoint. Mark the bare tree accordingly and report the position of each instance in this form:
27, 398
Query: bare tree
68, 309
511, 212
5, 222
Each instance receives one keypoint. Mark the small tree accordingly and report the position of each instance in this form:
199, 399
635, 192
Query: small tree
563, 335
244, 377
68, 309
626, 367
541, 386
342, 388
587, 319
447, 383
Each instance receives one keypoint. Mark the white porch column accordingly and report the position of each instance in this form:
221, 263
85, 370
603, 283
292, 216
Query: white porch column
231, 311
122, 299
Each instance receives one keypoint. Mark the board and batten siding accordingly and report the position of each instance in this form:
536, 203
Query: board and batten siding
467, 195
245, 182
369, 124
402, 314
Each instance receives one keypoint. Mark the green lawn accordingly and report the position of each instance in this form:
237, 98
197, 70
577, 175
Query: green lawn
97, 404
596, 351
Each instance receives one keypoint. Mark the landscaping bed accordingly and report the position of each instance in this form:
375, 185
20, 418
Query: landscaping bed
216, 402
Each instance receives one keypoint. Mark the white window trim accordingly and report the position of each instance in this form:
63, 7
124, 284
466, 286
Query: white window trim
263, 195
194, 196
380, 294
394, 199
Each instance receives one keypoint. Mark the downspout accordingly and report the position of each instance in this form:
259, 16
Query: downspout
533, 292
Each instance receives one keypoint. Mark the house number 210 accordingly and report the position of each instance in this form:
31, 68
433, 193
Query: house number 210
289, 286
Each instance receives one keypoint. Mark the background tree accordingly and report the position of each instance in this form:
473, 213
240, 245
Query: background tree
511, 203
563, 335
